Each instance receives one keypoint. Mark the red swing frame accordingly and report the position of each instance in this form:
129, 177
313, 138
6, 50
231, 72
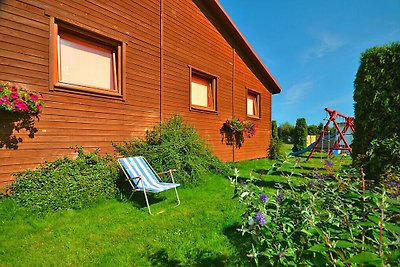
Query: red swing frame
333, 114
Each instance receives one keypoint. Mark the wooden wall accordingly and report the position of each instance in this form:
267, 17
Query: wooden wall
189, 36
71, 119
191, 39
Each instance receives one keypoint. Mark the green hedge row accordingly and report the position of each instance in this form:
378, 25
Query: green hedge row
377, 107
67, 183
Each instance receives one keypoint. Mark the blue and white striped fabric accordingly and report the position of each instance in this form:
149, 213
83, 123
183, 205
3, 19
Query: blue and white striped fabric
137, 167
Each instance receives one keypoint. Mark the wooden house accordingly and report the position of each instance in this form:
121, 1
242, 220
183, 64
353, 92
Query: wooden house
110, 69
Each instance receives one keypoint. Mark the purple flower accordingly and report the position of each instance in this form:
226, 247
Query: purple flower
279, 198
242, 182
264, 198
328, 163
260, 217
311, 184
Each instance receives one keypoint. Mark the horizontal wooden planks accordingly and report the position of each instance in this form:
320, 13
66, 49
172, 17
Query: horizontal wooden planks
71, 118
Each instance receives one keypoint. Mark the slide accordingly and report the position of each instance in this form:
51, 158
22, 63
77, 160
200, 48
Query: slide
327, 139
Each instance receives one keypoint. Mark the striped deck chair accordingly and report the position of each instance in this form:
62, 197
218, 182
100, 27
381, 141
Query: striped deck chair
142, 177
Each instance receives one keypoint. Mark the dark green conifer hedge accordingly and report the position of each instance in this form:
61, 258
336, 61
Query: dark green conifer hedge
377, 112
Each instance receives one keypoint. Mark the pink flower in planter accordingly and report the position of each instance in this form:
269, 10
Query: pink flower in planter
39, 106
21, 105
4, 100
14, 95
14, 89
33, 97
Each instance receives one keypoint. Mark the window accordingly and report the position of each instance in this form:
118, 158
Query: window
203, 91
85, 61
253, 104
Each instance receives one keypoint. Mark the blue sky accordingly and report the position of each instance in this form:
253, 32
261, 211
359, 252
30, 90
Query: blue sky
313, 48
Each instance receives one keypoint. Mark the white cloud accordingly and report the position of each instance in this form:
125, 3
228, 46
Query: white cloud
294, 93
326, 43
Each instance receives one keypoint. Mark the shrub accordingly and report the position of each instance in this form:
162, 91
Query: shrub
274, 150
327, 220
67, 183
174, 144
286, 131
376, 108
383, 158
300, 135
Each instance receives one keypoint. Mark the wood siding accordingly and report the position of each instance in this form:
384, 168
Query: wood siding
162, 41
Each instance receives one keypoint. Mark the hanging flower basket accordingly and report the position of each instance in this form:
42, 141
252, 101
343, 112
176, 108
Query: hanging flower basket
19, 100
234, 130
18, 109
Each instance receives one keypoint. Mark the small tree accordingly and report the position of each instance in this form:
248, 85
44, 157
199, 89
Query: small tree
313, 129
285, 132
276, 144
377, 104
300, 135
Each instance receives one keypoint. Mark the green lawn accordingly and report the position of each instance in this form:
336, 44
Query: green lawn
199, 232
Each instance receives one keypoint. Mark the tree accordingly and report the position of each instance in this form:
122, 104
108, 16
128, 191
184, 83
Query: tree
377, 105
276, 144
300, 134
313, 129
285, 132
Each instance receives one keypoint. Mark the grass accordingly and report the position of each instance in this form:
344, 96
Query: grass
120, 232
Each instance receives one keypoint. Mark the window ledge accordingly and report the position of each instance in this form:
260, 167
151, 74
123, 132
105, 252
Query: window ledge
253, 117
205, 110
83, 90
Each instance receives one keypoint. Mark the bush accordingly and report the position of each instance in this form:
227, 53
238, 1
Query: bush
174, 144
300, 135
66, 183
286, 131
383, 158
274, 150
377, 102
327, 220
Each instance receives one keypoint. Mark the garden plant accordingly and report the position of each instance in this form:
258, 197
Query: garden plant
377, 122
326, 219
173, 144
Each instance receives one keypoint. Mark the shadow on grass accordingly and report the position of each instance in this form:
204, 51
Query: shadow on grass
193, 258
137, 198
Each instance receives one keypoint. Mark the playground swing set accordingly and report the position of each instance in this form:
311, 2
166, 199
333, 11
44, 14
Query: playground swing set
344, 126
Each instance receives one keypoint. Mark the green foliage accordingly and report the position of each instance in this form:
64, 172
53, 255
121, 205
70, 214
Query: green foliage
377, 102
285, 132
326, 220
174, 144
274, 151
313, 129
66, 183
300, 135
383, 157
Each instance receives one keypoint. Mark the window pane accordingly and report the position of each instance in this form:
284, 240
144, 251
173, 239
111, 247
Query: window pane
83, 63
199, 94
250, 106
253, 105
202, 91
